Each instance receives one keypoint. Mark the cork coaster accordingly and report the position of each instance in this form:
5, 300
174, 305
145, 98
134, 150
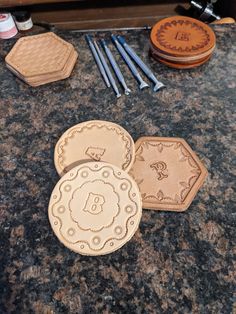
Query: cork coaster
182, 36
168, 173
39, 54
95, 208
94, 141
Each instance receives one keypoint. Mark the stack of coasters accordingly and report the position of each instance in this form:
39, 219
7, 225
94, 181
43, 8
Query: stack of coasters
168, 172
96, 206
41, 59
182, 42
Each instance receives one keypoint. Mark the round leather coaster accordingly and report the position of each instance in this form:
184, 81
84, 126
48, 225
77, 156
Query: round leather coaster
181, 66
95, 208
94, 141
190, 59
168, 173
182, 36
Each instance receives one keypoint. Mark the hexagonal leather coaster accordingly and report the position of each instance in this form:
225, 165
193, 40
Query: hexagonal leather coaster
94, 140
168, 173
39, 54
95, 208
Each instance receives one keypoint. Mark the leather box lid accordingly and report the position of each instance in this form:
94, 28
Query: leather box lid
182, 36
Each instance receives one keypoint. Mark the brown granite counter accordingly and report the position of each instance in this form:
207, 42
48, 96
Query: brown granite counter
176, 262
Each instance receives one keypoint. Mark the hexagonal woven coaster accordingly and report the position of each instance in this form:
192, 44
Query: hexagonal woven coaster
39, 55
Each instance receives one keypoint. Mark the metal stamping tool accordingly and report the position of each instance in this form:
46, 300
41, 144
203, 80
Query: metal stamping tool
140, 63
108, 72
97, 59
115, 67
129, 62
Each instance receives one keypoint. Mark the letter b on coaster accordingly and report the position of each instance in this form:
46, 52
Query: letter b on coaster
95, 208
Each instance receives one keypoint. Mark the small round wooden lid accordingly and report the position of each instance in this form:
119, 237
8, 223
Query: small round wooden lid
94, 140
95, 208
182, 36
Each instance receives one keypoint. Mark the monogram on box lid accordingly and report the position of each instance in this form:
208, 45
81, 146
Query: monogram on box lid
94, 140
168, 173
180, 40
95, 208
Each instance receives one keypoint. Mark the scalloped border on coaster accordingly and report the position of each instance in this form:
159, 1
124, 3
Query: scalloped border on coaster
94, 140
168, 173
95, 208
182, 36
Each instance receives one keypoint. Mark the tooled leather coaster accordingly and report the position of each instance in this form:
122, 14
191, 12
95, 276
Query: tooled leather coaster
182, 36
190, 59
95, 208
185, 65
45, 79
168, 173
94, 140
39, 54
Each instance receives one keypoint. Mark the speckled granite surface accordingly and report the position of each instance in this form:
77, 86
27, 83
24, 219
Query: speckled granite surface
176, 262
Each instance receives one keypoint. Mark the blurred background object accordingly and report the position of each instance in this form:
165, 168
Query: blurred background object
7, 26
23, 20
205, 10
107, 14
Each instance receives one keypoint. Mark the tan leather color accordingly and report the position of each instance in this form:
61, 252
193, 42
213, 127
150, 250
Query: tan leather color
182, 42
95, 208
94, 140
168, 173
41, 59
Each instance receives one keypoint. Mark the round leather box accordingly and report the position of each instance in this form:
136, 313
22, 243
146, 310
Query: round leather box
182, 36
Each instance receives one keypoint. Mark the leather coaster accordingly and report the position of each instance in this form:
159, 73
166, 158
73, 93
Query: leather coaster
182, 36
45, 79
95, 208
183, 60
94, 141
39, 54
168, 173
175, 65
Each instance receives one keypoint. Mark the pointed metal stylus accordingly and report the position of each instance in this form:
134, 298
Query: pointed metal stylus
142, 83
97, 59
140, 63
115, 66
108, 71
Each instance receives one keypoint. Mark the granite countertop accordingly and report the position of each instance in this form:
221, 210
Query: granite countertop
176, 262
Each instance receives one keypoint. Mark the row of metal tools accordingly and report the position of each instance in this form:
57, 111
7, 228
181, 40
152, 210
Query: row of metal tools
127, 54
